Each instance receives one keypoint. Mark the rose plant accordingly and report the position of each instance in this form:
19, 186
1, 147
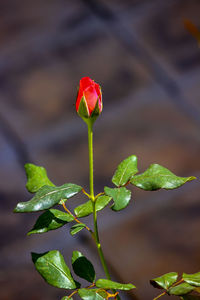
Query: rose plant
51, 264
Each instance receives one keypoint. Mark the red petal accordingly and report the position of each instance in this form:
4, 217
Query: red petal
85, 82
98, 91
91, 98
78, 99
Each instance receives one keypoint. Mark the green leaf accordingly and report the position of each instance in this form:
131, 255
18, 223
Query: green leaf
181, 289
157, 177
193, 279
126, 169
52, 268
82, 266
190, 297
48, 196
86, 294
121, 197
51, 220
76, 228
37, 177
109, 284
86, 209
66, 298
164, 281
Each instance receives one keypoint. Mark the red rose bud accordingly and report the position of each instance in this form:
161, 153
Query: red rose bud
89, 100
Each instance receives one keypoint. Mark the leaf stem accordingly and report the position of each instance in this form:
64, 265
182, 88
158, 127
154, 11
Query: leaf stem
93, 200
76, 291
173, 285
75, 218
84, 192
163, 294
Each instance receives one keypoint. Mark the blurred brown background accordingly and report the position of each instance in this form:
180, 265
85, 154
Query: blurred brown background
149, 68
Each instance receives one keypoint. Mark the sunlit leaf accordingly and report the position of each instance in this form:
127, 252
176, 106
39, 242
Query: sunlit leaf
181, 289
36, 178
76, 228
193, 279
121, 197
164, 281
53, 269
157, 177
109, 284
126, 169
86, 209
47, 197
86, 294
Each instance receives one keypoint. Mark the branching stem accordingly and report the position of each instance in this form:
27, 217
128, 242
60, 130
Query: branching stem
164, 293
75, 218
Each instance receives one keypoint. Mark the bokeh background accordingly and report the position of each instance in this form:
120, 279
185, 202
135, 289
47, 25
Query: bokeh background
149, 68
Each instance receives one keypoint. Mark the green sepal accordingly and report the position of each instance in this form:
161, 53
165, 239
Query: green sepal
87, 294
157, 177
164, 281
36, 178
76, 228
47, 197
83, 267
109, 284
193, 279
181, 289
126, 169
50, 220
86, 208
121, 197
83, 109
53, 269
96, 112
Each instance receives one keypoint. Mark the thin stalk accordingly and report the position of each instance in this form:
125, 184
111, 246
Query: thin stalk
91, 168
93, 200
91, 164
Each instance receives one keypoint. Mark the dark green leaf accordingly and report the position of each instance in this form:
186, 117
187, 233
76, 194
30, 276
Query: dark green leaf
52, 268
126, 169
86, 209
36, 178
193, 279
108, 284
121, 197
86, 294
157, 177
76, 228
190, 297
164, 281
82, 266
181, 289
48, 196
51, 220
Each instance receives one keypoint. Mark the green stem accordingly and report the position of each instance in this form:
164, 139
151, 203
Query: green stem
91, 168
96, 233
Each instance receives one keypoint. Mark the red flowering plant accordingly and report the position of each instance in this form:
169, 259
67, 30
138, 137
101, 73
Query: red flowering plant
51, 264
